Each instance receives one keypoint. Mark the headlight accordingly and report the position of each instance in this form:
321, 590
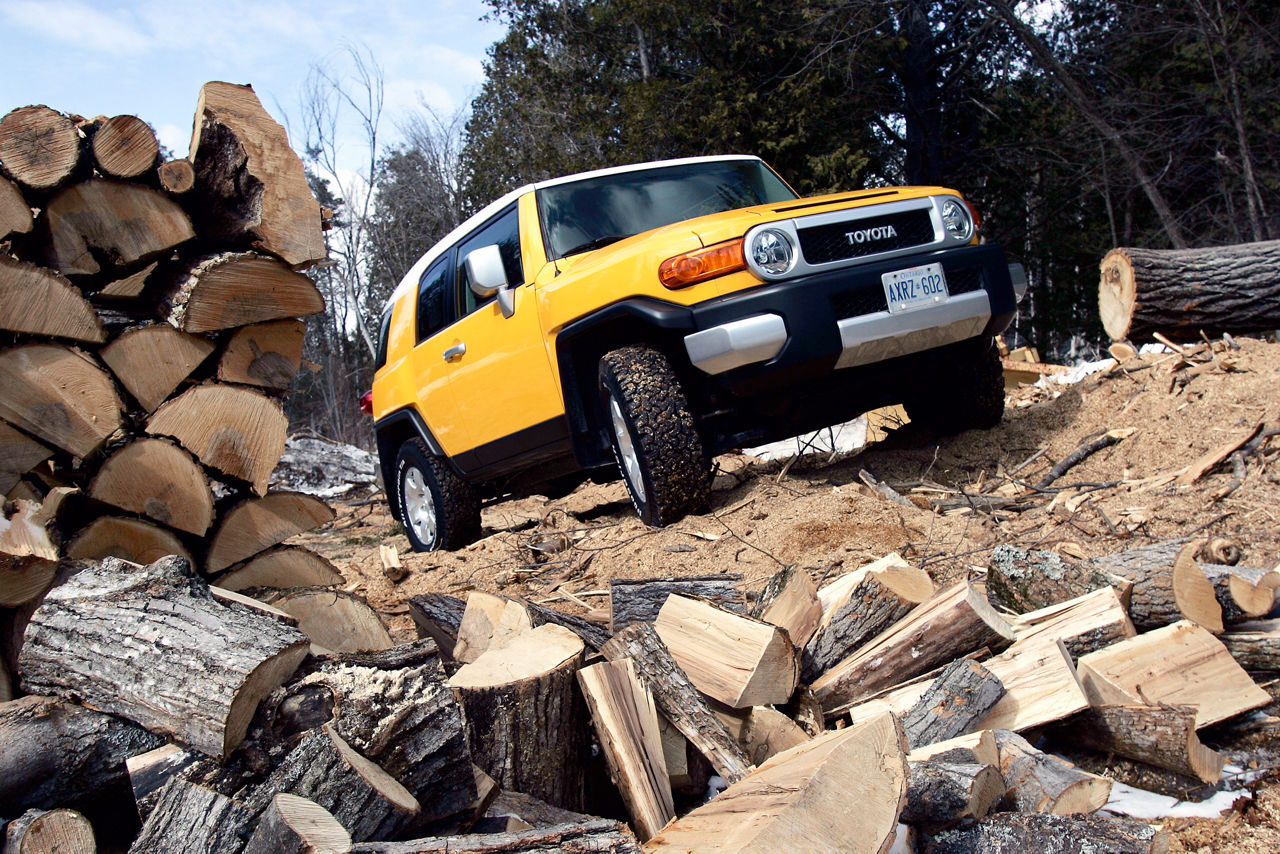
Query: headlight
772, 252
956, 219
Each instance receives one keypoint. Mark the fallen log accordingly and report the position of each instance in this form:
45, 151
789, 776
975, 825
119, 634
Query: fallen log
800, 800
638, 600
263, 354
790, 601
336, 621
39, 147
281, 567
1168, 586
151, 361
1038, 782
731, 658
597, 835
439, 617
157, 479
94, 638
1022, 580
126, 538
56, 752
1255, 645
526, 717
962, 696
294, 825
123, 226
187, 817
39, 301
678, 699
1018, 833
943, 792
15, 213
59, 831
125, 147
238, 289
59, 396
1163, 736
1181, 293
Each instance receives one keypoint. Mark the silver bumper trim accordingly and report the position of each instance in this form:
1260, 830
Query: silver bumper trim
880, 336
741, 342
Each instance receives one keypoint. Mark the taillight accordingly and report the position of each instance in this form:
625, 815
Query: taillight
366, 403
694, 267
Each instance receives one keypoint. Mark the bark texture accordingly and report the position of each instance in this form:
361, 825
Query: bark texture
1019, 833
638, 600
954, 704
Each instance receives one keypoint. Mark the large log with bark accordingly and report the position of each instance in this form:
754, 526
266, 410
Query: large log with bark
151, 361
1038, 782
59, 831
250, 185
237, 289
188, 817
1159, 735
59, 396
596, 835
39, 147
1022, 580
638, 600
39, 301
526, 716
1168, 585
256, 524
1019, 833
1181, 292
54, 752
1255, 645
123, 226
159, 480
94, 638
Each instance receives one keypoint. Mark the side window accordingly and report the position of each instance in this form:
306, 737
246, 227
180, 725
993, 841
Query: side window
384, 331
505, 232
435, 311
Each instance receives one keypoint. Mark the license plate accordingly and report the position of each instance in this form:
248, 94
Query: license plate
918, 287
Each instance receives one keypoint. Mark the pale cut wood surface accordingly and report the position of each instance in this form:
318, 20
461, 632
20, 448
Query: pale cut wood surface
281, 567
176, 176
790, 601
86, 224
39, 301
150, 361
157, 479
238, 289
257, 524
974, 748
335, 621
1181, 664
59, 396
15, 214
762, 731
489, 622
59, 831
1084, 624
130, 286
296, 825
39, 147
126, 538
731, 658
263, 354
235, 430
19, 454
125, 147
626, 722
841, 792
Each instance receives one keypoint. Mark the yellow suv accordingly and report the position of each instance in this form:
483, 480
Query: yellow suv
641, 319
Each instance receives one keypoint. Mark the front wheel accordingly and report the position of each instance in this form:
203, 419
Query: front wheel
654, 437
438, 509
967, 394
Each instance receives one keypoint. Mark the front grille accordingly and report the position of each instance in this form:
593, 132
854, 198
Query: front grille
964, 280
858, 302
823, 244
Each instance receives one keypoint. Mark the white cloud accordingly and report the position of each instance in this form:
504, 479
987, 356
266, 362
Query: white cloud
174, 138
77, 24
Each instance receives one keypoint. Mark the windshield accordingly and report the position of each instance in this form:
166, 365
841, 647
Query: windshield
594, 212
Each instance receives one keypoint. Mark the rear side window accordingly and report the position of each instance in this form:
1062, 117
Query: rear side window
384, 330
435, 298
505, 232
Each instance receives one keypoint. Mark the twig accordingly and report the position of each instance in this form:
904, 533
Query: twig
734, 534
1028, 461
1076, 457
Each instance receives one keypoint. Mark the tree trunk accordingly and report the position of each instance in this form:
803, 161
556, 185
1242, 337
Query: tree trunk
56, 752
957, 701
125, 147
105, 222
281, 567
188, 817
638, 600
942, 792
130, 539
95, 638
1018, 833
294, 825
238, 289
678, 699
39, 147
1180, 293
1163, 736
150, 361
38, 301
159, 480
526, 717
59, 396
597, 835
59, 831
1167, 587
1038, 782
15, 213
256, 524
263, 354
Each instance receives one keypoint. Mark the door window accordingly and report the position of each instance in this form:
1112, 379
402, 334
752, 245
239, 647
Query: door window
435, 310
503, 231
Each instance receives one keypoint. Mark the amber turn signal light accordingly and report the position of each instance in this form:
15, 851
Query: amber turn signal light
694, 267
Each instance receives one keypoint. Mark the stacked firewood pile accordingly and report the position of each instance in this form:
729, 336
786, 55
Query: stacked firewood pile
149, 327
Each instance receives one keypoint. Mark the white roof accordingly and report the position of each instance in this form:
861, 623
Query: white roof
410, 278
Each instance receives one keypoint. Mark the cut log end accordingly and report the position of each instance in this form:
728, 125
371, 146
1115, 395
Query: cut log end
125, 147
1117, 294
39, 147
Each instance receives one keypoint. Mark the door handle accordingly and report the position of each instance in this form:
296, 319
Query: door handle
456, 352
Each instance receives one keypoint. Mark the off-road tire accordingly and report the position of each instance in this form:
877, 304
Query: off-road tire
423, 476
669, 462
968, 394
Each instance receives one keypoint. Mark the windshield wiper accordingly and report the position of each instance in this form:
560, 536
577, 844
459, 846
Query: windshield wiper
595, 243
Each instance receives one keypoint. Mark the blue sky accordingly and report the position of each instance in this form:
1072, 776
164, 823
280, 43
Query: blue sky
150, 57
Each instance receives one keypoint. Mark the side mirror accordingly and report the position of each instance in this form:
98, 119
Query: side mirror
488, 277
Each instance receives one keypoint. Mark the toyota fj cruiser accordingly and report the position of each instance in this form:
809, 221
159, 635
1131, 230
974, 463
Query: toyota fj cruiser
639, 320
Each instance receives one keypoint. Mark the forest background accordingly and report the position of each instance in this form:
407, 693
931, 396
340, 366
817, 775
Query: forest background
1073, 126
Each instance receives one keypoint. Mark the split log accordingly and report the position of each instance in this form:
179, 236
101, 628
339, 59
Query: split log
804, 799
531, 811
626, 722
962, 696
1022, 580
491, 622
151, 361
127, 287
975, 748
1038, 782
159, 480
731, 658
235, 430
955, 621
59, 396
790, 601
1243, 592
281, 567
60, 831
238, 289
860, 606
1181, 664
19, 454
1163, 736
105, 222
15, 214
597, 835
363, 797
28, 549
56, 752
943, 792
263, 354
1084, 624
1168, 586
1018, 833
1182, 292
128, 539
335, 620
439, 617
678, 699
125, 147
150, 771
188, 817
688, 771
1255, 645
39, 147
250, 185
176, 176
256, 524
95, 636
294, 825
638, 600
761, 731
39, 301
526, 717
230, 597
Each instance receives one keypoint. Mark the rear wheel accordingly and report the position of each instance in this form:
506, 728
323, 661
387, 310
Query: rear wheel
968, 394
438, 509
654, 436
